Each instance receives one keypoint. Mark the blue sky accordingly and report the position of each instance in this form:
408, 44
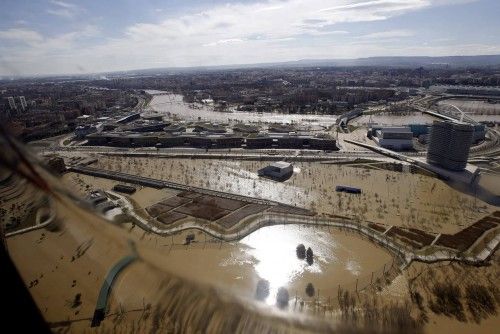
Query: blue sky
88, 36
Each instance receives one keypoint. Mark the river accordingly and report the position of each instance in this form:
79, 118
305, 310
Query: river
173, 105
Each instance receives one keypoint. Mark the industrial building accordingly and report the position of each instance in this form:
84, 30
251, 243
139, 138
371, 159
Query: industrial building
145, 126
96, 139
420, 130
82, 131
172, 128
197, 141
162, 139
209, 127
256, 142
170, 141
449, 144
227, 141
279, 170
143, 140
394, 138
281, 128
323, 143
245, 128
288, 141
291, 141
129, 118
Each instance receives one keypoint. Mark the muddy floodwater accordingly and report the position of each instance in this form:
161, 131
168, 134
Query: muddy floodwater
173, 105
270, 254
393, 119
390, 198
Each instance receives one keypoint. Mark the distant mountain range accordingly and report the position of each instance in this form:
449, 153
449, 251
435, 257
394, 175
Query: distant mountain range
402, 62
394, 62
454, 61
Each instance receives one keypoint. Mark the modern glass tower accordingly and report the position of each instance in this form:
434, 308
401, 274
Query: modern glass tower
449, 144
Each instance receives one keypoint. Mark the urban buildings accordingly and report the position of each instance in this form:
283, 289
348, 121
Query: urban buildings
24, 105
394, 138
12, 103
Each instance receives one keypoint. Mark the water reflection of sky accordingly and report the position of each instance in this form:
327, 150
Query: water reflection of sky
272, 252
173, 104
240, 181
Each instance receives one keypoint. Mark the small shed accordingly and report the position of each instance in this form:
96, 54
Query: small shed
280, 171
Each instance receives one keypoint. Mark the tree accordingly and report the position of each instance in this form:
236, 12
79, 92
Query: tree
282, 297
301, 251
309, 256
310, 290
262, 291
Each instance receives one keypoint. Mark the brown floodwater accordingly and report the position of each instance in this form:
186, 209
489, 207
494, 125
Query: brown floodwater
340, 258
173, 104
389, 198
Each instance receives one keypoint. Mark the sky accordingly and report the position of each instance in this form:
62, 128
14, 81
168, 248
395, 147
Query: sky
41, 37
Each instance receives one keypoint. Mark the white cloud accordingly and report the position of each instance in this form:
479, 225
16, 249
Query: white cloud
22, 35
388, 34
224, 41
35, 47
274, 19
63, 9
274, 30
63, 4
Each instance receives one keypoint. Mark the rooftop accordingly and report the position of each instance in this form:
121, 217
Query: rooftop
281, 164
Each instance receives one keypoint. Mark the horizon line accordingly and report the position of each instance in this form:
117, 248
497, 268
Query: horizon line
267, 64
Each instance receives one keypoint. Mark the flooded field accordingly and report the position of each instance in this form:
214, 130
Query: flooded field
173, 106
270, 254
143, 196
393, 119
389, 198
340, 258
479, 110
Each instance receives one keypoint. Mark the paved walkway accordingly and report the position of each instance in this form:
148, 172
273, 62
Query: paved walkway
102, 300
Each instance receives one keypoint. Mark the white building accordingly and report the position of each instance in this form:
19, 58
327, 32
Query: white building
279, 170
24, 105
12, 103
394, 138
